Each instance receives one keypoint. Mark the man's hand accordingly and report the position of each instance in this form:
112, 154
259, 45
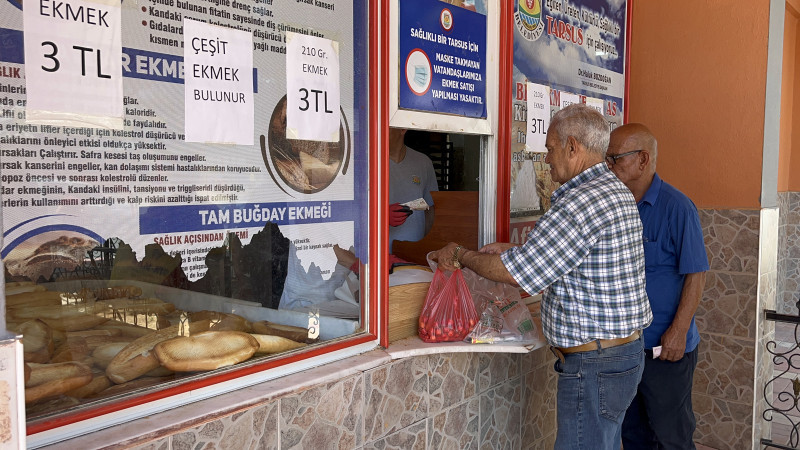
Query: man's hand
344, 257
398, 214
673, 344
496, 247
444, 257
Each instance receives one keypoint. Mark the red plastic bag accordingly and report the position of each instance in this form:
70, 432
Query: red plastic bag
449, 312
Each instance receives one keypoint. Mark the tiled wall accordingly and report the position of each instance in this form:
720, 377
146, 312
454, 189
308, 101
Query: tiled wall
788, 252
723, 386
767, 299
446, 401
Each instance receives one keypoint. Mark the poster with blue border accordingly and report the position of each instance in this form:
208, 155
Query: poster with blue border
442, 59
575, 48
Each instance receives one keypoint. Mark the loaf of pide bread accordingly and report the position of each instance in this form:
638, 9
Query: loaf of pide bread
296, 334
205, 351
275, 344
48, 380
137, 358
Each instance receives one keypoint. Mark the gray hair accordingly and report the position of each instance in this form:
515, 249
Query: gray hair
585, 124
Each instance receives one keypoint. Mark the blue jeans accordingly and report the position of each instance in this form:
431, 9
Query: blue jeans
594, 390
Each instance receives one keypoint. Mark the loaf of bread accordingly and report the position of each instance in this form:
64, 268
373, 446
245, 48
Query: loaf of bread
115, 292
20, 287
137, 358
99, 383
205, 351
222, 321
103, 354
37, 341
48, 380
52, 312
111, 332
134, 306
268, 344
32, 299
76, 322
125, 329
296, 334
74, 349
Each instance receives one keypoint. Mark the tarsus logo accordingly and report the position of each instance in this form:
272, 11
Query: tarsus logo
528, 18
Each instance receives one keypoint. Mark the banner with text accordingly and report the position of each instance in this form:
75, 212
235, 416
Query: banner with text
442, 51
202, 150
575, 48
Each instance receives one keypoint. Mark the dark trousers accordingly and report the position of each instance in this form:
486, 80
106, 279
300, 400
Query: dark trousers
661, 415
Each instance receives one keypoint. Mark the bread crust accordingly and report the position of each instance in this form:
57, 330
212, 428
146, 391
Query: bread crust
137, 358
49, 380
206, 351
297, 334
268, 344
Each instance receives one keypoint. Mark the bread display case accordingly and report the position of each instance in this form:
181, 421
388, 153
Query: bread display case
171, 223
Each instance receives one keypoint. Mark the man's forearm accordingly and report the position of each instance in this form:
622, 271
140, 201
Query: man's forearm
487, 265
691, 294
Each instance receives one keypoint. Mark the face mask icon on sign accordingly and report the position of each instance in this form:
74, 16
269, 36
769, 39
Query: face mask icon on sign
421, 75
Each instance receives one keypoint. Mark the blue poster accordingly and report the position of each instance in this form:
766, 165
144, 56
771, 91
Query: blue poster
577, 46
576, 50
442, 59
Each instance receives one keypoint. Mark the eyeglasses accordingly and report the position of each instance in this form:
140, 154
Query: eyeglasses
612, 159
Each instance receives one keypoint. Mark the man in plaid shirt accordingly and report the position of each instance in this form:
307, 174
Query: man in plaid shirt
585, 254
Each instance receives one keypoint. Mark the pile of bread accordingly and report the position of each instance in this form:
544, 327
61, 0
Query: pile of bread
100, 342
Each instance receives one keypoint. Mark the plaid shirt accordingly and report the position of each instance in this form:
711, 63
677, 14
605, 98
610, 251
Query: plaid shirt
586, 253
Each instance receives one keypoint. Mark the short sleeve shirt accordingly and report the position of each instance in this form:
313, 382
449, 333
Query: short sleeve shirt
673, 248
586, 254
410, 179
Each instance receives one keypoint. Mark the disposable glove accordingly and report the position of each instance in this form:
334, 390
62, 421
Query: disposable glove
398, 214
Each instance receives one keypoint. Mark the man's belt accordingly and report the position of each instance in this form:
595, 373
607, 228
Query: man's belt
600, 343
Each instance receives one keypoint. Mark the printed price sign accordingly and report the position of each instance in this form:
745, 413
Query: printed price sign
568, 98
538, 117
312, 88
595, 103
73, 73
218, 91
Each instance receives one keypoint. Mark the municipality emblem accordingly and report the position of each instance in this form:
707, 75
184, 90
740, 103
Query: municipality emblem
528, 18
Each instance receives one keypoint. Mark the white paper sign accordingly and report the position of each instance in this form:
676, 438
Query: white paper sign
595, 103
568, 98
312, 88
538, 117
73, 51
218, 89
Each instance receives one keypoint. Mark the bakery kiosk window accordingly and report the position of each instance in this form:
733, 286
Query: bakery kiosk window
175, 219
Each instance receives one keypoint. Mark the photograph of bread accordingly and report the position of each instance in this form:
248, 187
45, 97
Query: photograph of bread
305, 166
40, 256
